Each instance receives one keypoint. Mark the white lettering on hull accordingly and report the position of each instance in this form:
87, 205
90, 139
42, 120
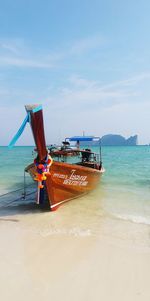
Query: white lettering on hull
74, 179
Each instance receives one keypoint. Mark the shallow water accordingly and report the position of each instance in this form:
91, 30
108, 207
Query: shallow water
123, 193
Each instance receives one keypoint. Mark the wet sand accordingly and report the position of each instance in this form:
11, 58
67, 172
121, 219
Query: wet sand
75, 253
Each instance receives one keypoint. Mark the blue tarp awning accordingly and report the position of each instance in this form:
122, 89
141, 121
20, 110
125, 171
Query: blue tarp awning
83, 138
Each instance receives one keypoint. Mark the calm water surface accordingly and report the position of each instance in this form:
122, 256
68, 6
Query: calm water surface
124, 191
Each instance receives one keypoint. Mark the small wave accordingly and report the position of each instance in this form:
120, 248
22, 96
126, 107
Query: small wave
134, 219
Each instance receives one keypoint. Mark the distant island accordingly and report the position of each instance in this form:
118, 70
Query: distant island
115, 140
118, 140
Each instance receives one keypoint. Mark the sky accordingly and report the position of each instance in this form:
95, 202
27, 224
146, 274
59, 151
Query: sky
86, 61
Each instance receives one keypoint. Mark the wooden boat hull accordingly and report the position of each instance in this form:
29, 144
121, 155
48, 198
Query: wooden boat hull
60, 180
67, 181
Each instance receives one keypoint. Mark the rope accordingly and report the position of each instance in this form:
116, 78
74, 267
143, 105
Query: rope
5, 198
7, 203
22, 188
22, 195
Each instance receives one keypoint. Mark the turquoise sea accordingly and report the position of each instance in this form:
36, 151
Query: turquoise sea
124, 190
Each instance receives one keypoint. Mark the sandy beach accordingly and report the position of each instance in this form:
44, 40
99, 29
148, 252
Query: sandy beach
74, 101
61, 256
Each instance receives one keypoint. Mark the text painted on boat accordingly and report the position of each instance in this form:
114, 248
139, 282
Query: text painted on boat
74, 179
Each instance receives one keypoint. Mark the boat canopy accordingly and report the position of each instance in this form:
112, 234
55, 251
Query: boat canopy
83, 138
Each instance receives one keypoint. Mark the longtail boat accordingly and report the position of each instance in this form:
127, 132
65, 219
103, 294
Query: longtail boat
59, 181
64, 150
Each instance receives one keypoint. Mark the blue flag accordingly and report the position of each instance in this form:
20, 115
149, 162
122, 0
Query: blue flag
20, 131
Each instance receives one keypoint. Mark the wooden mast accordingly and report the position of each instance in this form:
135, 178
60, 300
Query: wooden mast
37, 125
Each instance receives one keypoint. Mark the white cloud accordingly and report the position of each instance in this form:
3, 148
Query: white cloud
16, 53
88, 106
79, 103
12, 46
118, 107
23, 62
8, 47
83, 45
131, 80
88, 94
